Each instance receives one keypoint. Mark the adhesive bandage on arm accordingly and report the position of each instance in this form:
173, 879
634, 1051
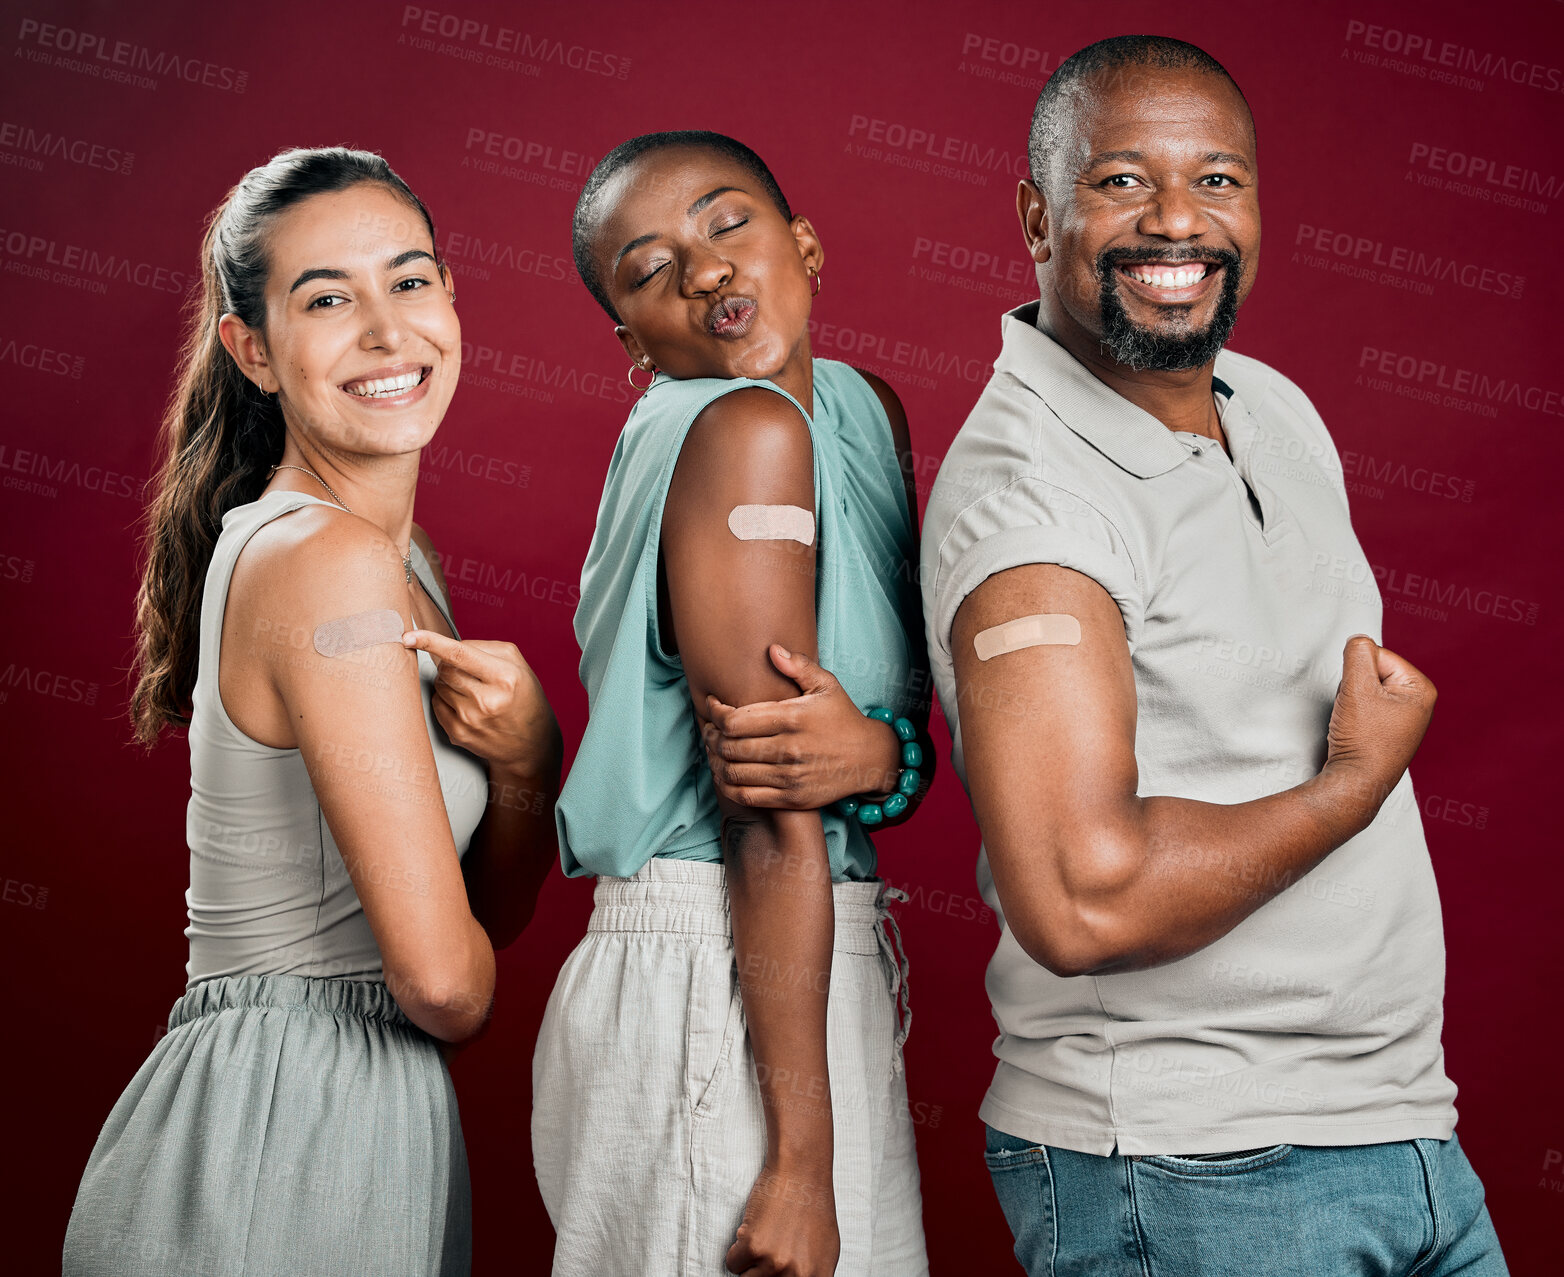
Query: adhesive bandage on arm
772, 523
1037, 630
364, 629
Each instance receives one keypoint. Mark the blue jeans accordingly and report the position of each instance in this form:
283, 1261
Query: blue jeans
1412, 1209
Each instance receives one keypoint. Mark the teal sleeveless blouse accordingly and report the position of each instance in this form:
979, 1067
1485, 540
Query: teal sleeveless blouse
640, 785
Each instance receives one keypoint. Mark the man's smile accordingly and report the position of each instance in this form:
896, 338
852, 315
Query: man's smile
1166, 282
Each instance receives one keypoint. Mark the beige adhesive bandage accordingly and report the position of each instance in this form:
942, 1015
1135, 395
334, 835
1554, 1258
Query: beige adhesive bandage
772, 523
1042, 628
349, 633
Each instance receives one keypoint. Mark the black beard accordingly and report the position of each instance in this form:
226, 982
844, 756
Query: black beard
1139, 347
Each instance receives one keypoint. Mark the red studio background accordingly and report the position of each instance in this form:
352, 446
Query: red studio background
1413, 171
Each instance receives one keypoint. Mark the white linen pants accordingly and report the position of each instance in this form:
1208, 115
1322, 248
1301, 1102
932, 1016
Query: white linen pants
647, 1126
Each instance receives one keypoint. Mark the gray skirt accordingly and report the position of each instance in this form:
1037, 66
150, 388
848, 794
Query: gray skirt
285, 1125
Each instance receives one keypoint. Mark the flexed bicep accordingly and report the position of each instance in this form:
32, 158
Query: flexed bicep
1046, 699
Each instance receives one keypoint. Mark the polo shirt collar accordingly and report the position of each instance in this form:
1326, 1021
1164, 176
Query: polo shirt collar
1127, 435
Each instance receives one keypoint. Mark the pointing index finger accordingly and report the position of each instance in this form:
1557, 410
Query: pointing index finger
444, 650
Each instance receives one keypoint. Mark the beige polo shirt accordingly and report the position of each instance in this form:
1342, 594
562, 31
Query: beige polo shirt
1317, 1019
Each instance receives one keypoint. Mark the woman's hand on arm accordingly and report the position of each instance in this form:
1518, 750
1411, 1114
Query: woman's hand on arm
359, 724
730, 600
805, 753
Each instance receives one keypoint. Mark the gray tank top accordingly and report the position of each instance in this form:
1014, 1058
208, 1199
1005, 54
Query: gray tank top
269, 894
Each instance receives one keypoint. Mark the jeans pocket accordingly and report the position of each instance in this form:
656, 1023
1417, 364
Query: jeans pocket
1205, 1165
1023, 1182
1006, 1152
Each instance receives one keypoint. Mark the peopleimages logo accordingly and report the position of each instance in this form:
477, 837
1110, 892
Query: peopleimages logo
925, 150
973, 261
489, 44
1005, 62
907, 361
481, 256
77, 266
1363, 257
531, 152
46, 143
1482, 169
499, 364
108, 59
38, 358
1434, 381
1411, 52
41, 682
22, 469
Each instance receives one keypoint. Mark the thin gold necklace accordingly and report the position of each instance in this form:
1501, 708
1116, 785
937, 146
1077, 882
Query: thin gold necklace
407, 559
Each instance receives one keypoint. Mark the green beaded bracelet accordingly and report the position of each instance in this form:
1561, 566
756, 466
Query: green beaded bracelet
907, 782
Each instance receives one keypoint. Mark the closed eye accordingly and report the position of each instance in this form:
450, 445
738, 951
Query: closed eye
644, 278
731, 226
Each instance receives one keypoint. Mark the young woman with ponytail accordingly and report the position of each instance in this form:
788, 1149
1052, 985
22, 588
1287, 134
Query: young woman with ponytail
371, 805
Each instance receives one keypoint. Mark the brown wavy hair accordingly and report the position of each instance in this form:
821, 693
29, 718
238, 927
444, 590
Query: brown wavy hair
220, 435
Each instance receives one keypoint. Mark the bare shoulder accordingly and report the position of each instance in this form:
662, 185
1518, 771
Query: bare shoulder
751, 440
318, 561
298, 573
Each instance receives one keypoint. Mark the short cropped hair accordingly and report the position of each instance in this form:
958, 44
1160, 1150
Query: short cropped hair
1050, 118
584, 224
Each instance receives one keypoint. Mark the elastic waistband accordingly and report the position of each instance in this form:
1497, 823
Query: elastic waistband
366, 999
690, 897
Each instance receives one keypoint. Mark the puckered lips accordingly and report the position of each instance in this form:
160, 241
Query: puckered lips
1173, 280
731, 317
393, 386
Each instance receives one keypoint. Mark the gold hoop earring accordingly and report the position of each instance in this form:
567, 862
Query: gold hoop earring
630, 377
814, 282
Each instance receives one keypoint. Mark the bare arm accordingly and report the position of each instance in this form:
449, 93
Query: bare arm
489, 701
729, 599
1094, 879
819, 747
514, 847
358, 722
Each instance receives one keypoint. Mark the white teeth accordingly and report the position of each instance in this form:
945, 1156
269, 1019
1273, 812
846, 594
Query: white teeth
1162, 277
385, 386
